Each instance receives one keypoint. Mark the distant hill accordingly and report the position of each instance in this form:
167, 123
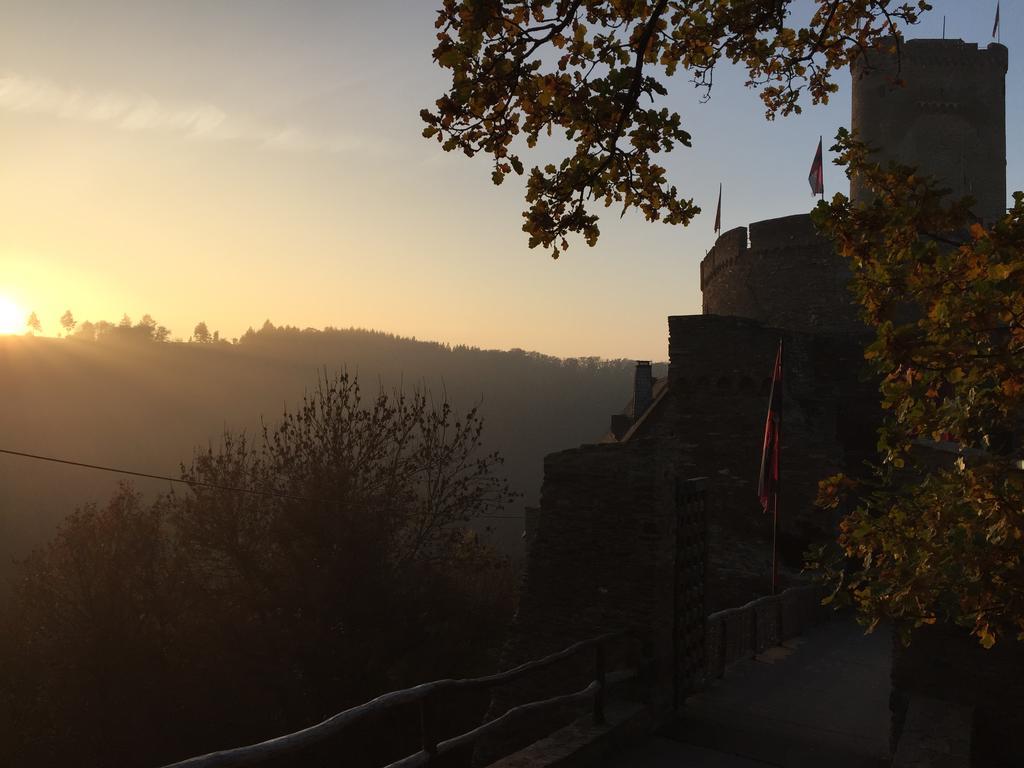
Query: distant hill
124, 399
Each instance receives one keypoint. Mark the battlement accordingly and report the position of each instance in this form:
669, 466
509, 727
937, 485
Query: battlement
938, 105
935, 52
780, 272
728, 248
762, 237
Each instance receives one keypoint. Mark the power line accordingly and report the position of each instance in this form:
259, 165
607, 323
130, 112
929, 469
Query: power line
197, 483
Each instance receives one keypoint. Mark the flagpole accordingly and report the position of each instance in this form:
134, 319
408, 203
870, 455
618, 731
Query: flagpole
778, 481
718, 211
775, 536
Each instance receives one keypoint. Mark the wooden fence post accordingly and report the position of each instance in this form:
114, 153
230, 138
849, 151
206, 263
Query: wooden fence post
428, 731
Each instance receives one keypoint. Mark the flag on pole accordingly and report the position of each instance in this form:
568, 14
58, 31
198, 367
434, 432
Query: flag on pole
995, 27
718, 213
817, 175
768, 481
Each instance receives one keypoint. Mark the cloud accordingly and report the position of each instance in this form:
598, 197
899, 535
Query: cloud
125, 112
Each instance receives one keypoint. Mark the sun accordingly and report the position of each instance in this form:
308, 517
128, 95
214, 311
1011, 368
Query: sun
12, 318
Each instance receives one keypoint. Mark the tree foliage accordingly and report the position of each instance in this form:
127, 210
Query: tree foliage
936, 536
201, 333
147, 329
146, 632
595, 72
33, 324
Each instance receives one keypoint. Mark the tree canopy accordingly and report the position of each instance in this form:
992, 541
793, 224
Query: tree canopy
33, 324
936, 536
321, 563
596, 72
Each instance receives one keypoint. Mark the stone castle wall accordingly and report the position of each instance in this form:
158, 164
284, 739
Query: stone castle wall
787, 276
714, 411
603, 556
939, 105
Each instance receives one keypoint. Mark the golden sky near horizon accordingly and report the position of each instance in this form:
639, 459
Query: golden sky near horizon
232, 162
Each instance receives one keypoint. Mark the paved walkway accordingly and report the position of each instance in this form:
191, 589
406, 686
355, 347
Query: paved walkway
818, 701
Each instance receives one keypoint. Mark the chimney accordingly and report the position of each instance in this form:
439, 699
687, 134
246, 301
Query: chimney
643, 388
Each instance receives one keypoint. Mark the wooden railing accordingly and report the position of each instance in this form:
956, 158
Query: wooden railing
743, 632
424, 694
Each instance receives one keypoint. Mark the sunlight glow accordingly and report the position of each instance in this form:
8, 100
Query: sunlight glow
12, 319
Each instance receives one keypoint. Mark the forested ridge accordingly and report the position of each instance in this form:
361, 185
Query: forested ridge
127, 400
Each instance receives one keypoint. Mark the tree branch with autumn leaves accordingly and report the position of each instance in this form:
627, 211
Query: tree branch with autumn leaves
595, 72
934, 535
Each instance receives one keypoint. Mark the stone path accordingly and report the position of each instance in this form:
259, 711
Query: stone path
818, 701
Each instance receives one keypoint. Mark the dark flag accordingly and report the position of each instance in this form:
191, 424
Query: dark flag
768, 481
817, 175
718, 213
995, 27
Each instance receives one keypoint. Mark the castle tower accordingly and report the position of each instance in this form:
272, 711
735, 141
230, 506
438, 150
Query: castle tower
939, 105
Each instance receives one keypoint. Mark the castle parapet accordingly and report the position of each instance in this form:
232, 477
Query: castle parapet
780, 272
729, 247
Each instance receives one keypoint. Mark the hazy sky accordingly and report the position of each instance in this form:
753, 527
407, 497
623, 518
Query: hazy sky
237, 160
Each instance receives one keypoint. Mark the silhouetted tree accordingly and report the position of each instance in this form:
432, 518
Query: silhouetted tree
67, 321
86, 330
201, 333
211, 618
33, 324
92, 612
146, 327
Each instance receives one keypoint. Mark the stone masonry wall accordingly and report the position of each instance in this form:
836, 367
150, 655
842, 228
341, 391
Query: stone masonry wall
788, 276
939, 105
714, 410
602, 558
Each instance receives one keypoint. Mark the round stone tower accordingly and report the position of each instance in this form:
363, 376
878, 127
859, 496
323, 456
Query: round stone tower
782, 273
939, 105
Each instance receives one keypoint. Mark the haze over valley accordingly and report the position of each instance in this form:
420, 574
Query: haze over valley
128, 401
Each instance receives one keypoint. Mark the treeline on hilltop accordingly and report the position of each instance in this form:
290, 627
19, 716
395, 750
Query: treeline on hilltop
146, 631
147, 329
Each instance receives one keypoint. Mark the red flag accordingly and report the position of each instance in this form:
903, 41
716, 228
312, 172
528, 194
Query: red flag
718, 213
768, 481
817, 175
